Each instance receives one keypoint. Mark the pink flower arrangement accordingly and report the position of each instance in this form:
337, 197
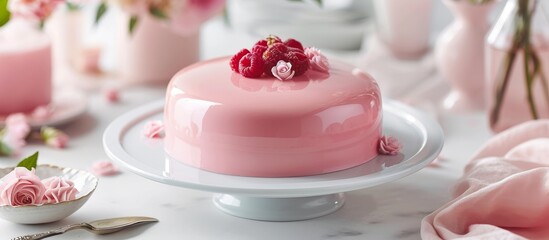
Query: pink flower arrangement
183, 16
21, 187
283, 70
389, 146
38, 10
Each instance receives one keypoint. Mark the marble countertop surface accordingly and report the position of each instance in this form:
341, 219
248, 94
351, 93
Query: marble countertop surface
389, 211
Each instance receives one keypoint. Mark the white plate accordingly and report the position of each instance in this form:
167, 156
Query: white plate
67, 105
421, 137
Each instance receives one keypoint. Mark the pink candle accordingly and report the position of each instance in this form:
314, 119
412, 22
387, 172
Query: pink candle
25, 68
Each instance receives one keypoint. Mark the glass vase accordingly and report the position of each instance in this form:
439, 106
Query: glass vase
517, 60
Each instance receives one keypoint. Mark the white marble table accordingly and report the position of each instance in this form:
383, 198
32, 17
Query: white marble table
389, 211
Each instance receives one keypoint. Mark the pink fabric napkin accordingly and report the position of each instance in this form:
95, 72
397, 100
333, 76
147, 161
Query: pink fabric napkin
504, 192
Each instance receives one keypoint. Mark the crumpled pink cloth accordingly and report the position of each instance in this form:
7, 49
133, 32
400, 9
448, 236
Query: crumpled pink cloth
504, 192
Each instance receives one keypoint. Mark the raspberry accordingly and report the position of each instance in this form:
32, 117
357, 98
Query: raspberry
235, 60
272, 55
261, 43
290, 42
251, 66
299, 61
259, 49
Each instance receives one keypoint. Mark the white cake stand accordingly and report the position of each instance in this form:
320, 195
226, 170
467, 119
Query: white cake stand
275, 199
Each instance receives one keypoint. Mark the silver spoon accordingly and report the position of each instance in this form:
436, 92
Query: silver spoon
104, 226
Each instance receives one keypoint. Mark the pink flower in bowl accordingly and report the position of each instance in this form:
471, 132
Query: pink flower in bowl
59, 190
283, 70
21, 187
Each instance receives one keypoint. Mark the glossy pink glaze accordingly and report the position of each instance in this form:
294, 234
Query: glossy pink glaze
316, 123
25, 70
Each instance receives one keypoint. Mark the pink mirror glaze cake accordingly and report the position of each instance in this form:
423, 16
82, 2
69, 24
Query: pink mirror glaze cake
250, 115
25, 68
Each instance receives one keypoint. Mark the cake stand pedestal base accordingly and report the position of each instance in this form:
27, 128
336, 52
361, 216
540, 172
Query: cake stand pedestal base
279, 209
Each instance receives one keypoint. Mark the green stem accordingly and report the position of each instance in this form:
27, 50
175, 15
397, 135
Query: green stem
528, 73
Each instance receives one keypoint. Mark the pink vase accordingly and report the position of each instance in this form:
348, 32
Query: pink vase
518, 104
404, 26
153, 53
459, 54
25, 68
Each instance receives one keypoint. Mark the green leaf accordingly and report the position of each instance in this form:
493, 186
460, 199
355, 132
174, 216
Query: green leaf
4, 13
132, 24
30, 162
5, 149
158, 13
73, 7
319, 2
100, 13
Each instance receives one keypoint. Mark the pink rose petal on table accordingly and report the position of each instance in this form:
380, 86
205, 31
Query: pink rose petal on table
389, 146
153, 129
21, 187
104, 168
112, 95
58, 190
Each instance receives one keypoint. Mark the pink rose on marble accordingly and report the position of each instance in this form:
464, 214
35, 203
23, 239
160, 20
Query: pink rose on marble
58, 190
37, 10
389, 145
54, 137
283, 70
317, 60
153, 129
21, 187
42, 113
104, 168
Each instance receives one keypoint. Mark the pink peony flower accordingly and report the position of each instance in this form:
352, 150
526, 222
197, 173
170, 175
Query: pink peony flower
389, 146
59, 190
21, 187
54, 137
317, 60
283, 70
153, 129
104, 168
33, 9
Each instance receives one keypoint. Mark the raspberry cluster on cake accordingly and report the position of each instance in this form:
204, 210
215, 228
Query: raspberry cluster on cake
276, 110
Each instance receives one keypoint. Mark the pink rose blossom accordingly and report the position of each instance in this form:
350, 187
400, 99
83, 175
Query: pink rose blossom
389, 146
283, 70
104, 168
54, 137
33, 9
42, 113
317, 60
153, 129
21, 187
59, 190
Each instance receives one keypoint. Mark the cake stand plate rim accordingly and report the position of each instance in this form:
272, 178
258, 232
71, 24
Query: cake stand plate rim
430, 136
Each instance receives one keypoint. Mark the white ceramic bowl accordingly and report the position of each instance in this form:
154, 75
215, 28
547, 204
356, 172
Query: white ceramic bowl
84, 182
